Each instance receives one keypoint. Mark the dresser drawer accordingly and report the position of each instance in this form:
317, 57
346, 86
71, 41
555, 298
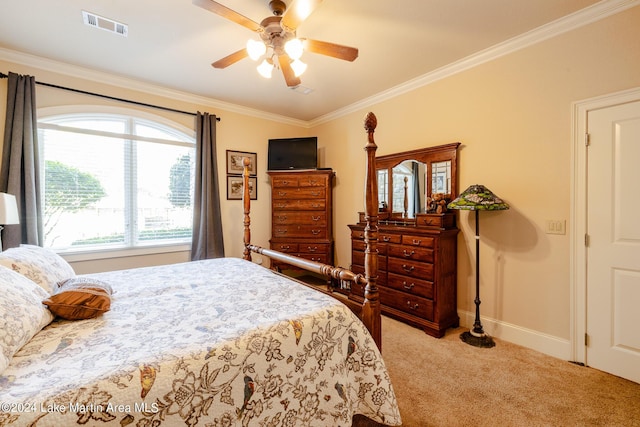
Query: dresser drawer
389, 238
300, 231
313, 181
299, 205
443, 221
411, 252
298, 193
314, 248
422, 241
284, 182
411, 285
287, 247
321, 258
415, 305
307, 218
359, 245
383, 238
357, 257
419, 270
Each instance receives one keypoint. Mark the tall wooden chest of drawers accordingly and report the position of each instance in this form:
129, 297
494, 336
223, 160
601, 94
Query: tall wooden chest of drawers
302, 214
417, 271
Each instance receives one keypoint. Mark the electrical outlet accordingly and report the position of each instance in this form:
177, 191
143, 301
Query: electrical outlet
556, 226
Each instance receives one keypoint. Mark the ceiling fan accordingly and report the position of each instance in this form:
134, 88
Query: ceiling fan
278, 39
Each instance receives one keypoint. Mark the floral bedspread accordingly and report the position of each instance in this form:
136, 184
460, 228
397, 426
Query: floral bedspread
221, 342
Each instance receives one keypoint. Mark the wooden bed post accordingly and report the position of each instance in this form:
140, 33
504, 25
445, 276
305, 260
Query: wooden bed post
246, 199
369, 312
371, 306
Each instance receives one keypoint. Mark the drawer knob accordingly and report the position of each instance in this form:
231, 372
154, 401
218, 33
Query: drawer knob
312, 249
315, 218
417, 241
285, 182
279, 231
282, 193
409, 254
285, 248
408, 286
408, 268
316, 232
282, 217
414, 306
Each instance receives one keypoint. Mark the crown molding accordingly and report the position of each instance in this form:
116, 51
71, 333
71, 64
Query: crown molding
137, 85
586, 16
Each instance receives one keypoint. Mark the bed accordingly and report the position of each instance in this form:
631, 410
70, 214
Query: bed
219, 342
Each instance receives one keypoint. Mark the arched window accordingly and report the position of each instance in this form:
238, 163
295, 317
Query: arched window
115, 179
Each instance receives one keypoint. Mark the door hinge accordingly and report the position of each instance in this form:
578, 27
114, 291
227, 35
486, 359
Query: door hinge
586, 240
586, 339
587, 139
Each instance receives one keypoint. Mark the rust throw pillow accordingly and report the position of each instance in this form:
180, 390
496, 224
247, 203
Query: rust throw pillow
80, 298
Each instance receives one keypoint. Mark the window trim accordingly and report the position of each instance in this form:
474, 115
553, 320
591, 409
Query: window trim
105, 253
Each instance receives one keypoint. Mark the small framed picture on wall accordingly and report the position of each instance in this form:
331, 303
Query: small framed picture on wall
234, 162
234, 187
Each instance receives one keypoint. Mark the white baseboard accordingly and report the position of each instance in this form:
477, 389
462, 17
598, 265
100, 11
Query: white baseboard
535, 340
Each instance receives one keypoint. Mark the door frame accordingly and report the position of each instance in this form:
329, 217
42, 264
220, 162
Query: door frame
578, 214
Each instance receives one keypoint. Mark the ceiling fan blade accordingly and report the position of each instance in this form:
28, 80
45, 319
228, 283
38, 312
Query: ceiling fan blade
225, 12
289, 75
230, 59
298, 11
331, 49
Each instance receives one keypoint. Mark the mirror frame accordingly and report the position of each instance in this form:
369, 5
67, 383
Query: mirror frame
428, 156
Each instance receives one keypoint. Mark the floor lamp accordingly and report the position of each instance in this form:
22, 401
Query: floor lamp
8, 212
478, 198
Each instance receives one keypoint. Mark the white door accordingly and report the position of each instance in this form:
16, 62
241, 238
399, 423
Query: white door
613, 251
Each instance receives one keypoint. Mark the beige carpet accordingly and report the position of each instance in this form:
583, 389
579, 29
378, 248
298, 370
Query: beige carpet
447, 383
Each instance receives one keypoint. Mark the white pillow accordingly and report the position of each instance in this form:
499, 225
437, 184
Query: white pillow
22, 313
43, 266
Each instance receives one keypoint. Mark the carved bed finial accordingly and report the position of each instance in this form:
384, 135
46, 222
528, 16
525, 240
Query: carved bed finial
370, 122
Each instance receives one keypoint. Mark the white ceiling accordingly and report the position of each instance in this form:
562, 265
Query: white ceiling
172, 43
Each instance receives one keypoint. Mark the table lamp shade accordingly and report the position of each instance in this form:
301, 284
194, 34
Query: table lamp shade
8, 209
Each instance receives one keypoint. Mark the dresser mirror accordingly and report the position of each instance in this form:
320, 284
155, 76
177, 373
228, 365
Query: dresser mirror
417, 182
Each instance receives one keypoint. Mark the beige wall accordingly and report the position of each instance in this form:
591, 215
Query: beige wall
234, 132
513, 118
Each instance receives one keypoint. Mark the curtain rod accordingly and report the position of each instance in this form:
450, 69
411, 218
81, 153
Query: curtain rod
4, 76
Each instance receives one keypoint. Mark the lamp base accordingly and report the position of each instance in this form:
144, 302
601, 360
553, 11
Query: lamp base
483, 341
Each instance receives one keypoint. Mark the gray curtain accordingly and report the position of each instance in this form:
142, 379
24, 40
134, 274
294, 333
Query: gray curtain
207, 222
20, 172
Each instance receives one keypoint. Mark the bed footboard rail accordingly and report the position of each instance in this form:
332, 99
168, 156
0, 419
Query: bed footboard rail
327, 270
370, 313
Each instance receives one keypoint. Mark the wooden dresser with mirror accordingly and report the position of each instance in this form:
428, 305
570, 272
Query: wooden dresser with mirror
417, 239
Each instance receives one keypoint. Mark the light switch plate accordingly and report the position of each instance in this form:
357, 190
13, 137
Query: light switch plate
556, 226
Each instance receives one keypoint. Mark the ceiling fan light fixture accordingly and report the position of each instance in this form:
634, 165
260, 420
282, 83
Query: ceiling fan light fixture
294, 48
255, 49
298, 67
265, 69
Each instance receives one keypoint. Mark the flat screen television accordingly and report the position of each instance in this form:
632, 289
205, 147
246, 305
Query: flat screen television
293, 153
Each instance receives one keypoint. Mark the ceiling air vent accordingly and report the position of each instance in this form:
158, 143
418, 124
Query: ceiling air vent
103, 23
